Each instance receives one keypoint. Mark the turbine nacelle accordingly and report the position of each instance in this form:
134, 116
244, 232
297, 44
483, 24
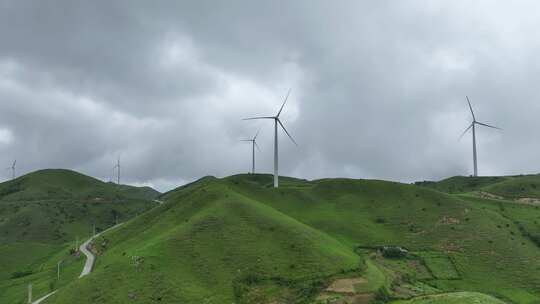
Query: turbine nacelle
475, 122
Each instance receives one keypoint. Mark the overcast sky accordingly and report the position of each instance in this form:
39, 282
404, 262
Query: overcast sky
378, 87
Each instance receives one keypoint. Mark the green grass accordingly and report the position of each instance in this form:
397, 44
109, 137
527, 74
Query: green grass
462, 184
237, 239
375, 277
453, 298
212, 246
44, 277
527, 186
67, 184
440, 265
510, 187
41, 216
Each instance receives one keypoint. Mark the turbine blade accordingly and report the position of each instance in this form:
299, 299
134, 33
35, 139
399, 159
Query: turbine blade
462, 134
470, 107
286, 97
260, 117
245, 140
257, 134
287, 132
486, 125
14, 163
257, 146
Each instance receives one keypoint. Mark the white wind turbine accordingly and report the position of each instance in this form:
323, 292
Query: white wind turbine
253, 142
473, 126
117, 167
12, 168
276, 122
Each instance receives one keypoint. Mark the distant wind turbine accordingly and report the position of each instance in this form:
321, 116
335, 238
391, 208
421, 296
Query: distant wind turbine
253, 145
276, 122
12, 168
117, 167
473, 126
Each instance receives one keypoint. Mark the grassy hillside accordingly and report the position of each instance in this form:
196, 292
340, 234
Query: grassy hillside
527, 186
66, 184
462, 184
453, 298
210, 244
508, 187
41, 216
239, 240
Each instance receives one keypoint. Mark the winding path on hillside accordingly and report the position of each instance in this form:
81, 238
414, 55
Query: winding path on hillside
90, 257
89, 264
44, 297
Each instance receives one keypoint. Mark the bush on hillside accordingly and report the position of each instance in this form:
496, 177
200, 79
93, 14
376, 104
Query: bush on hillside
380, 220
20, 274
382, 295
392, 252
12, 188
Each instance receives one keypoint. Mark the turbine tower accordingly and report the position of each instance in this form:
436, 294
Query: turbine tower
473, 126
12, 168
117, 167
276, 122
253, 145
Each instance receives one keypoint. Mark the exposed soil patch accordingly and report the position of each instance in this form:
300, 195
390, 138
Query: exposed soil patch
484, 194
529, 200
523, 200
345, 299
447, 220
345, 285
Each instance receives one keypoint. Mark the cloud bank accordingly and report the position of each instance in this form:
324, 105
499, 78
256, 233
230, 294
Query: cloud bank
378, 88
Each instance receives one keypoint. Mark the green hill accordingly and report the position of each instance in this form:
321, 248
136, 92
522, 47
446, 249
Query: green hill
239, 240
44, 212
66, 184
509, 187
462, 184
210, 243
453, 298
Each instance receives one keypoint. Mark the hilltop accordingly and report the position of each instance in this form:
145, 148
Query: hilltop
237, 239
66, 184
43, 213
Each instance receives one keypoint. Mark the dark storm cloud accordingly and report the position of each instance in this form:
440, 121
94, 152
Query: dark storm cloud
378, 87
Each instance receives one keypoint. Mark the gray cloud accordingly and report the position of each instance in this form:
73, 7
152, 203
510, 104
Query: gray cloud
378, 88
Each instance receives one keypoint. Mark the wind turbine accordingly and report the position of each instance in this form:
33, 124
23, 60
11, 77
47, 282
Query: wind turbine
253, 145
276, 122
117, 167
12, 168
473, 126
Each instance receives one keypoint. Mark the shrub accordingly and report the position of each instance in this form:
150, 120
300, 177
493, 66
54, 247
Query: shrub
382, 295
394, 252
20, 274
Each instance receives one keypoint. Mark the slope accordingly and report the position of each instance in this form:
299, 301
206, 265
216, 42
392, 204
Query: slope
376, 213
209, 244
41, 216
238, 239
462, 184
508, 187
